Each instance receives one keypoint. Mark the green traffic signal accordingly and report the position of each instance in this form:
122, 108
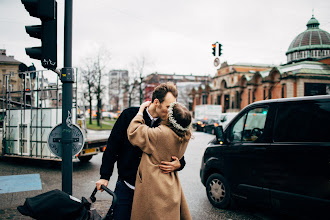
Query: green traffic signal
220, 49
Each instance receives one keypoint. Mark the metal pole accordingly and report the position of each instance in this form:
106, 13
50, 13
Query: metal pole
67, 80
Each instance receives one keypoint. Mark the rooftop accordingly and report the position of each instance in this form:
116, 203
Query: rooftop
4, 59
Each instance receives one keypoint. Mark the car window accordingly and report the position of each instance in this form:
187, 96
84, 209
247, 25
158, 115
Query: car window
237, 130
303, 122
250, 126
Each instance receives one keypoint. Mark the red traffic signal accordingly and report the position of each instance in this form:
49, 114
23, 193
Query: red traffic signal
213, 49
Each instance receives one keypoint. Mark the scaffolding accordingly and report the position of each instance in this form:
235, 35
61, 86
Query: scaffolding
31, 107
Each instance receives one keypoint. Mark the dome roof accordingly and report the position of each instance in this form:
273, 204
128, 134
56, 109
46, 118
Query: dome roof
312, 22
312, 38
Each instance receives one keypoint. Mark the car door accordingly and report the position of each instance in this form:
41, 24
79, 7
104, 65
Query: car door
298, 172
248, 140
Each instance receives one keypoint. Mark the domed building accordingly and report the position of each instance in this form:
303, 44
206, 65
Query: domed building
306, 73
312, 44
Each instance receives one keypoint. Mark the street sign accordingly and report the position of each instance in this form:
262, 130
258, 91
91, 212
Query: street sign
55, 137
216, 62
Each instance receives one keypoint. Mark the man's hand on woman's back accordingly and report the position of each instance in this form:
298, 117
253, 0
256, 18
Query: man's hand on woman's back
168, 167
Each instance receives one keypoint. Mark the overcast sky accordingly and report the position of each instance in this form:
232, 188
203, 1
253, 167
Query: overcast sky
176, 36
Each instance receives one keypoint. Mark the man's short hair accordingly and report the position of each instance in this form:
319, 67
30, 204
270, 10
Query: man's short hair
162, 89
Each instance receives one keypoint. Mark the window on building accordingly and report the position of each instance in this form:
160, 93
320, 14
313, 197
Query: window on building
315, 89
264, 93
283, 90
238, 100
204, 99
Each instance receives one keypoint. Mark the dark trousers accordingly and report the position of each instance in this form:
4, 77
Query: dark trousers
124, 194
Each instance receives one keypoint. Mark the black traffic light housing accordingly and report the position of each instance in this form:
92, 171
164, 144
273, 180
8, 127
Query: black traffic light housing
46, 10
23, 68
32, 74
213, 49
220, 49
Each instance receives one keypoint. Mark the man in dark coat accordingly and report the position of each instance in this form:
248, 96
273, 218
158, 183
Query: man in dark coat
128, 157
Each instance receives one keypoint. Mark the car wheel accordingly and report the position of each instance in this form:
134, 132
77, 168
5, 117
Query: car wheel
218, 191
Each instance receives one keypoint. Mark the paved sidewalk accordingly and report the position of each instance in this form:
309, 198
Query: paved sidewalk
102, 207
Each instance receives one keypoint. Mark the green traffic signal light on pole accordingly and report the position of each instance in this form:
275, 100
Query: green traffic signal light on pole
220, 49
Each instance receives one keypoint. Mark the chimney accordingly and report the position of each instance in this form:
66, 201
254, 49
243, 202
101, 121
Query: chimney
3, 52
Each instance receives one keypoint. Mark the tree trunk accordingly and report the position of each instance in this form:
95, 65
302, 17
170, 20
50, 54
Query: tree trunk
141, 98
98, 116
129, 99
90, 110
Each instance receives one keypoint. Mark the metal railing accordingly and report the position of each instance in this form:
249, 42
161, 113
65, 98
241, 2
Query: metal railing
31, 106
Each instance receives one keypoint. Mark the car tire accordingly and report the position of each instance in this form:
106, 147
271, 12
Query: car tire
218, 191
85, 159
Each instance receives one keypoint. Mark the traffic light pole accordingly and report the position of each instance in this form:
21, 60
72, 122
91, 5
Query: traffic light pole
46, 11
67, 80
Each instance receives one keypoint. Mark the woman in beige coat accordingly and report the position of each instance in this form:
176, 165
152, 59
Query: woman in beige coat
159, 195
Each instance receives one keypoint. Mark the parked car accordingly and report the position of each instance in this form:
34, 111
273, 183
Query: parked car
210, 125
110, 115
274, 154
200, 125
225, 118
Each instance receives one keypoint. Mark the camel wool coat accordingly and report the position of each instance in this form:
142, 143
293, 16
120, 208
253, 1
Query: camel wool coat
157, 195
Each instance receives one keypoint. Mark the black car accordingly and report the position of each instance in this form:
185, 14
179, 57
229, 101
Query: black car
200, 124
274, 154
210, 125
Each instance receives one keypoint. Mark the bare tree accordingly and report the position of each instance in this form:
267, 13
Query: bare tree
88, 78
100, 66
130, 88
131, 85
93, 73
138, 67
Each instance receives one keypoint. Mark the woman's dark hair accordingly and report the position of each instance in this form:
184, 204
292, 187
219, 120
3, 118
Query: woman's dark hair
182, 117
162, 89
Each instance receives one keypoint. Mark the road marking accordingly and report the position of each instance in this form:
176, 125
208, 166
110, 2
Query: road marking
20, 183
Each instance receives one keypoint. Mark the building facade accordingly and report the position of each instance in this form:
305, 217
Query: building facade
230, 85
185, 84
9, 65
118, 80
